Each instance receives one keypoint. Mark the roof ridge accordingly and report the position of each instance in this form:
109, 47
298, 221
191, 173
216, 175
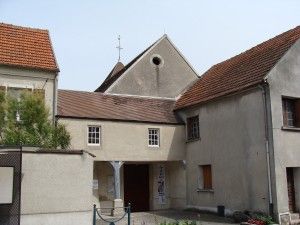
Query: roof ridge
23, 27
119, 95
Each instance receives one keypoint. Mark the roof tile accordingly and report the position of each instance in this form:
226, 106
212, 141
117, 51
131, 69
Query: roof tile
26, 47
237, 73
96, 105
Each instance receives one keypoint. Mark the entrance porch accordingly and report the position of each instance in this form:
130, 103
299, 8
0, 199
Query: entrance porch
146, 185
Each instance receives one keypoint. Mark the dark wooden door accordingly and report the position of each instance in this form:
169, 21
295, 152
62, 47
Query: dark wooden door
291, 189
136, 186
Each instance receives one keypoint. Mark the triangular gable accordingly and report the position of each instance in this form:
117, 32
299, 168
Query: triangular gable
172, 78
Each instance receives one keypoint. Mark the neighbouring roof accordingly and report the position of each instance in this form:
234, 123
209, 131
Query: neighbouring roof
110, 79
117, 68
26, 47
239, 72
95, 105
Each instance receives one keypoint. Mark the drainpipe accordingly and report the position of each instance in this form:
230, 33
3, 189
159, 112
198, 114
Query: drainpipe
54, 98
264, 89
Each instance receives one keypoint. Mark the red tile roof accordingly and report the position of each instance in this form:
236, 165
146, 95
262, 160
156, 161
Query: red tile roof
244, 70
95, 105
26, 47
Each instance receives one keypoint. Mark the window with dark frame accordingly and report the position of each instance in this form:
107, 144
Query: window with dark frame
205, 179
94, 135
193, 128
291, 112
153, 139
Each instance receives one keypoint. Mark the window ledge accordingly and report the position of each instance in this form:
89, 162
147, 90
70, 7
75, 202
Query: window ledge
205, 190
153, 146
193, 140
297, 129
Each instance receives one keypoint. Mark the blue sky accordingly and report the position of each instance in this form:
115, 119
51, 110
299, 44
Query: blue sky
84, 33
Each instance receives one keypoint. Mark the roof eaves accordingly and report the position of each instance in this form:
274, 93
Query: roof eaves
219, 96
56, 70
120, 120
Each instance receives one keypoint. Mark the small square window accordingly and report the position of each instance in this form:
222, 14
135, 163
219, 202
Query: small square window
93, 135
193, 128
153, 135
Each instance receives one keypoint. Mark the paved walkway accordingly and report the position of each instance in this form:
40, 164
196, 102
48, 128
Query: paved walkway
158, 217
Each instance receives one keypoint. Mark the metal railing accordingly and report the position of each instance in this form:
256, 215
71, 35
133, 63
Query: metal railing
111, 221
11, 156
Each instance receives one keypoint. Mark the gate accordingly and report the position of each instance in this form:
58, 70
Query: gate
10, 185
111, 221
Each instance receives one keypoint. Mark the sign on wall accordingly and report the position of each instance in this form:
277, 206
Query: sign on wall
6, 185
161, 186
95, 184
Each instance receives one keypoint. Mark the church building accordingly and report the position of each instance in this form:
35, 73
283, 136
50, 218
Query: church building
164, 136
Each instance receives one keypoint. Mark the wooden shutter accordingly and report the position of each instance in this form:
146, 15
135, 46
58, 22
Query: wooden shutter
284, 112
207, 177
297, 113
40, 92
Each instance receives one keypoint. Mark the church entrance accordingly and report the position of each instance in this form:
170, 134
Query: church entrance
136, 186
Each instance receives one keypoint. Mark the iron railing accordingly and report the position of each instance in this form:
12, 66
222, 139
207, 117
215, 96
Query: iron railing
111, 221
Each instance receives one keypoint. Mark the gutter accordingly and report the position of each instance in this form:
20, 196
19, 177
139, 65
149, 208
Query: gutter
268, 138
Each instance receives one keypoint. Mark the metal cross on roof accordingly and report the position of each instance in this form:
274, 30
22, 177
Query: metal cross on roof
119, 48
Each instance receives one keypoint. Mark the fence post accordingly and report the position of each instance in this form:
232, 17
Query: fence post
94, 215
129, 211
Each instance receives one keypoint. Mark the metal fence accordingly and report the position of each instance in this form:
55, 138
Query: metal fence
11, 157
111, 220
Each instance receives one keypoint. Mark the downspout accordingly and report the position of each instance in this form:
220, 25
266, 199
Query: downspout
54, 98
264, 88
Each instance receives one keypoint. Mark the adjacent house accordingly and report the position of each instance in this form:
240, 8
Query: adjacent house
245, 148
163, 137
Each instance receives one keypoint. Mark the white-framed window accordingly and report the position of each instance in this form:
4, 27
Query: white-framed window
93, 135
153, 139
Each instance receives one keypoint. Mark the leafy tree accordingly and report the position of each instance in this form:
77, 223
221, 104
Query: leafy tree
34, 126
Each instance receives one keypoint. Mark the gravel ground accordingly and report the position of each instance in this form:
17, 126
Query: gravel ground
157, 217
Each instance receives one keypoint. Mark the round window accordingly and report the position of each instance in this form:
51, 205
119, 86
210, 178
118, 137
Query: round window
157, 60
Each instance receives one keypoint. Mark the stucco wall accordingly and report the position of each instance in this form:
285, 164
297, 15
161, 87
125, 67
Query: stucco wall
13, 77
145, 79
232, 141
54, 184
284, 80
128, 141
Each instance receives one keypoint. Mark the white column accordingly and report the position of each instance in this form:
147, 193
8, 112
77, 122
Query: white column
118, 202
117, 177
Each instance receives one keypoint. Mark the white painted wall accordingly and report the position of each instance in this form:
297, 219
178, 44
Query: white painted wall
128, 141
56, 189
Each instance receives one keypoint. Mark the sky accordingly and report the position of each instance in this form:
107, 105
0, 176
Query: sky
84, 33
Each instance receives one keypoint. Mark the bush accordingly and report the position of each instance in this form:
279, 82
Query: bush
239, 217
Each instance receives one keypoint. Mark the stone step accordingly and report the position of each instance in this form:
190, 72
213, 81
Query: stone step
295, 216
295, 221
